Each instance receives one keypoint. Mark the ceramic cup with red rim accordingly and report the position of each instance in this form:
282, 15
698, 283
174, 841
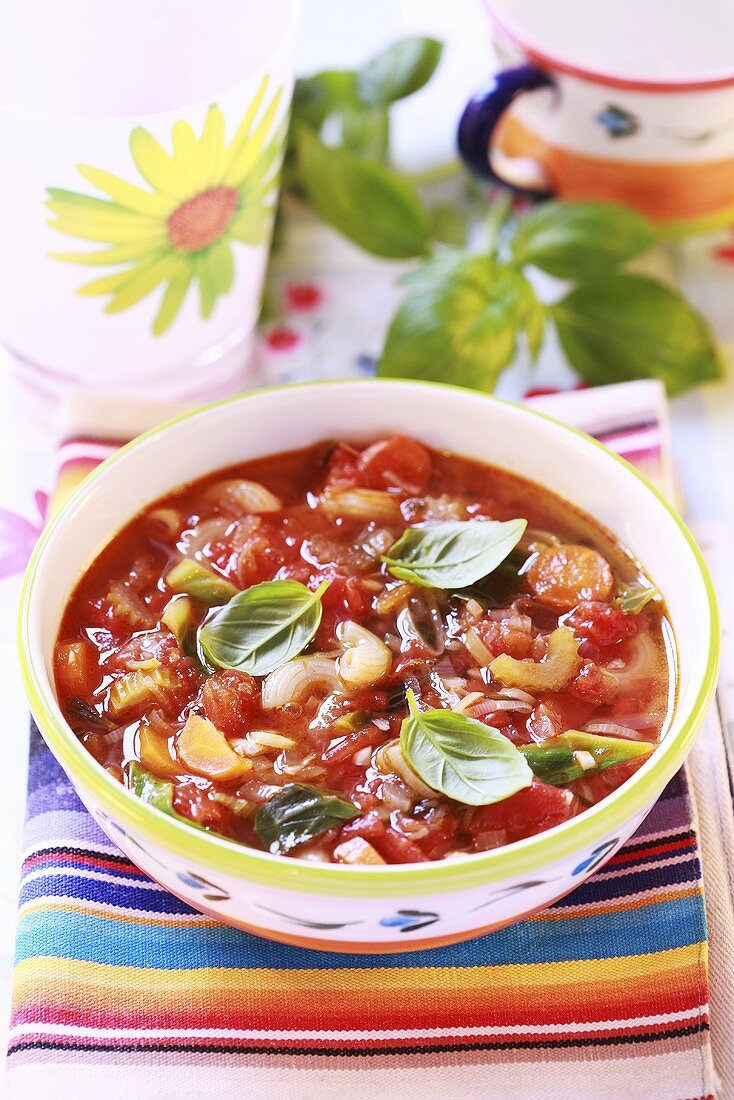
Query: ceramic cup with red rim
623, 102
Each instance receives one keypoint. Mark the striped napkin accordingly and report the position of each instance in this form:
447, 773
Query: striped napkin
121, 987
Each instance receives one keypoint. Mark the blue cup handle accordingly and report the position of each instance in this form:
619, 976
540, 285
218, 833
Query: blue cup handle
481, 117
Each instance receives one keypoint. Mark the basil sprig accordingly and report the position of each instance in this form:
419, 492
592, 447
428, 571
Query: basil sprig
461, 757
263, 627
467, 311
464, 313
454, 554
297, 813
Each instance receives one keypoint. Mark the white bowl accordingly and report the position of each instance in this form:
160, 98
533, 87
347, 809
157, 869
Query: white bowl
357, 908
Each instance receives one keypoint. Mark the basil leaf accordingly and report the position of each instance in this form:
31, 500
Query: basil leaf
329, 103
635, 597
157, 793
298, 813
317, 97
460, 322
618, 327
455, 554
399, 71
574, 754
367, 202
448, 223
574, 240
462, 758
263, 627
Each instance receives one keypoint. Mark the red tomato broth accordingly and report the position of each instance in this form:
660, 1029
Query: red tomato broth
625, 682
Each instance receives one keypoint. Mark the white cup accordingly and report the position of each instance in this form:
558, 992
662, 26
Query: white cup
629, 102
141, 152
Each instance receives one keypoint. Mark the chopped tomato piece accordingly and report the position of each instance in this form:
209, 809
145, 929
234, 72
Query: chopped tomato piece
370, 826
502, 637
443, 829
598, 786
77, 669
229, 699
192, 800
398, 849
353, 742
342, 467
398, 463
345, 598
594, 685
530, 811
601, 623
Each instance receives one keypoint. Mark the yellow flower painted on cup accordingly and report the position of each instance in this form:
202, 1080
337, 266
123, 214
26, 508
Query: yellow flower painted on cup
202, 198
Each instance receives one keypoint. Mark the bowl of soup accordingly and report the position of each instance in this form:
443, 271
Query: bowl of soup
368, 666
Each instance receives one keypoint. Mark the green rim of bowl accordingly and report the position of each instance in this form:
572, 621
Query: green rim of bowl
219, 854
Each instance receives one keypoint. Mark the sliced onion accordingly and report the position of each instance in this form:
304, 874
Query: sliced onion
308, 771
408, 826
516, 693
421, 620
474, 609
270, 739
444, 667
455, 684
111, 738
491, 706
614, 729
643, 660
255, 791
396, 795
643, 721
389, 758
393, 597
196, 540
468, 701
510, 616
477, 649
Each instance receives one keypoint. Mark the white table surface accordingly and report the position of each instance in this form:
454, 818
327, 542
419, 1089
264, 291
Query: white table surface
341, 33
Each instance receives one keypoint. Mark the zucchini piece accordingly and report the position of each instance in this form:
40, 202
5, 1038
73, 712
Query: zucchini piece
178, 615
194, 579
129, 606
356, 850
553, 673
350, 723
136, 689
575, 754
